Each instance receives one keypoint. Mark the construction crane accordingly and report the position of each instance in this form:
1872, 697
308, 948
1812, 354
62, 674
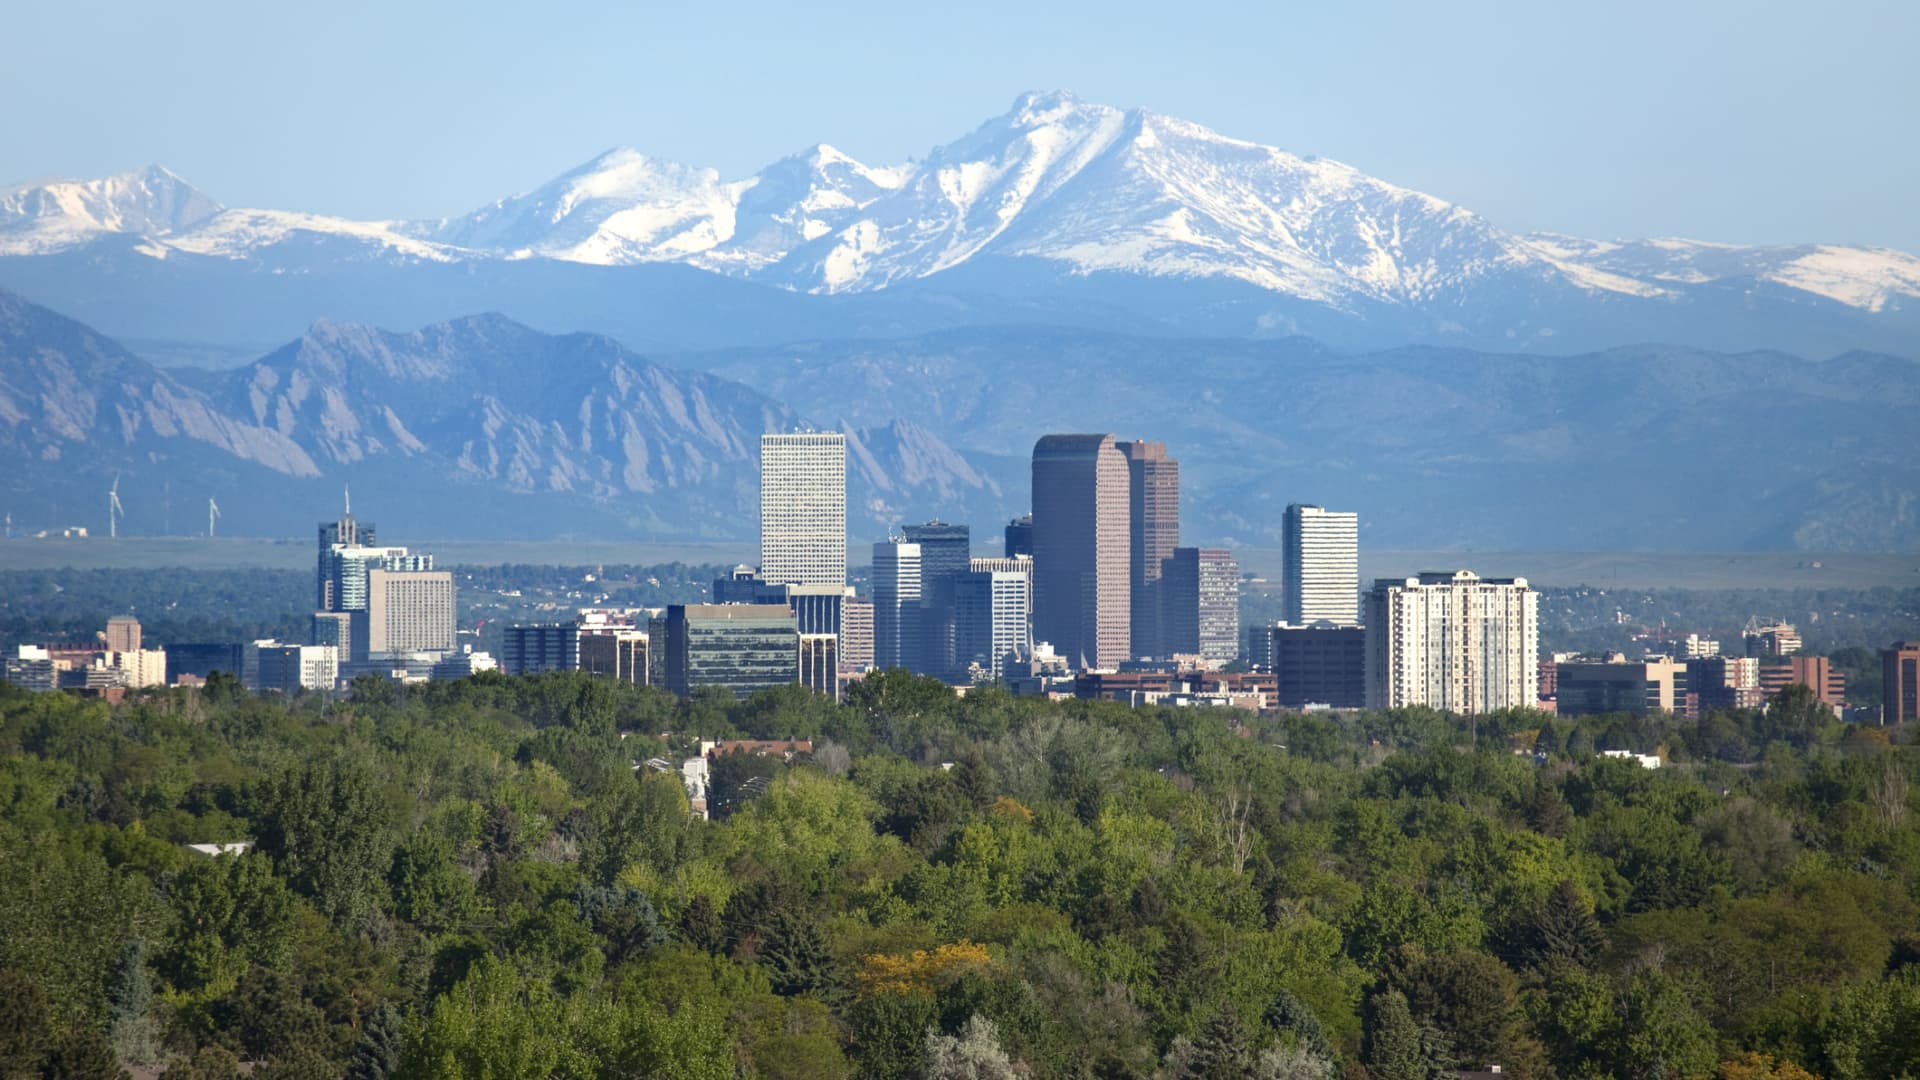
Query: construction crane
213, 511
114, 510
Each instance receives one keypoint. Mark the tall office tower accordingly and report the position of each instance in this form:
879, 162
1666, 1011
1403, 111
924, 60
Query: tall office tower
1200, 600
345, 532
1321, 566
736, 647
1153, 501
1081, 538
335, 628
803, 509
944, 551
1453, 641
123, 634
820, 664
896, 605
407, 612
1017, 564
1019, 537
856, 635
990, 619
1900, 682
346, 567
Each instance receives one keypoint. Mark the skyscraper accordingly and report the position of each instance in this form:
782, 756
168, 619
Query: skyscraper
990, 619
1019, 536
1200, 602
1321, 566
407, 612
803, 508
944, 552
1153, 501
1453, 641
346, 532
1081, 539
896, 605
123, 634
1900, 682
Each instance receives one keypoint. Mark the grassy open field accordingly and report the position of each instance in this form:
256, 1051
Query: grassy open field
1684, 570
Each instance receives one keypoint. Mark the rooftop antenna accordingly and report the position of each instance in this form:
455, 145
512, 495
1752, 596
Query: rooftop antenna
213, 511
114, 510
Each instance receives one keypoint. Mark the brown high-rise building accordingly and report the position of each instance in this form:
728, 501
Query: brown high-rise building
1900, 679
1153, 500
123, 634
1082, 587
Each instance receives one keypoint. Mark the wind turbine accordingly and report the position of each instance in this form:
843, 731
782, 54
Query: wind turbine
213, 511
114, 510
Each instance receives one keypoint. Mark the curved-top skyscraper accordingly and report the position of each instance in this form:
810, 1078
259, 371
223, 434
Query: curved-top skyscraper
1081, 549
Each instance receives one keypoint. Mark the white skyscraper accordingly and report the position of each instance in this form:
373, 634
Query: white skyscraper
803, 509
1321, 575
896, 605
1453, 641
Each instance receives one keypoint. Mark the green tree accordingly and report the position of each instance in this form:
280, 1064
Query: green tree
1661, 1034
328, 830
134, 1033
210, 1061
376, 1054
26, 1025
1560, 929
1396, 1048
83, 1054
1290, 1017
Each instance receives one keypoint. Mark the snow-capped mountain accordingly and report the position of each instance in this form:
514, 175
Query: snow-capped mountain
47, 217
1074, 190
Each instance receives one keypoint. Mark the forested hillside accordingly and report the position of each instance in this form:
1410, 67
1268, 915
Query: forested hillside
473, 879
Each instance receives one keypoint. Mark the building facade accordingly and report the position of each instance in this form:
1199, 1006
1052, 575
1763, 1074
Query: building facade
1816, 673
1082, 538
123, 634
740, 648
1018, 538
408, 612
820, 664
803, 508
856, 635
1320, 565
1640, 687
897, 636
991, 620
1452, 641
1900, 682
1322, 664
616, 654
1153, 504
944, 553
1200, 604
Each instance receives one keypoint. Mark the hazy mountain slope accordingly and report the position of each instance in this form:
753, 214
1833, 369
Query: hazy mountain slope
1650, 447
478, 426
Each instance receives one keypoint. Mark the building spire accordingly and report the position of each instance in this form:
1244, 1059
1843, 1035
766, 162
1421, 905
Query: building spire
346, 492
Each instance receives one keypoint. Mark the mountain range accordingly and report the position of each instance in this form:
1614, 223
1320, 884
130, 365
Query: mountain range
1059, 212
483, 427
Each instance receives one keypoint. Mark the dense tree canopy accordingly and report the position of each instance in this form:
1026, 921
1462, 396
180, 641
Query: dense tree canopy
485, 879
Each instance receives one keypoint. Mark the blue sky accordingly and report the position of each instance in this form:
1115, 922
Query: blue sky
1746, 122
